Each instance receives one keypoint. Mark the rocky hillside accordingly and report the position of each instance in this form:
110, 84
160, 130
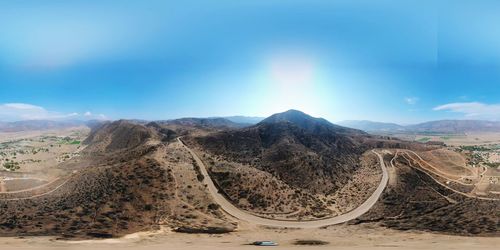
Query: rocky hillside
204, 123
123, 135
413, 200
302, 151
126, 181
289, 155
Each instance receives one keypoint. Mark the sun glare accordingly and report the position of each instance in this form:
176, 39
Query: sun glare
294, 82
292, 72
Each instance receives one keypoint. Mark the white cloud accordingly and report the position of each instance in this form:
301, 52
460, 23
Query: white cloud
22, 106
472, 109
411, 100
90, 115
24, 111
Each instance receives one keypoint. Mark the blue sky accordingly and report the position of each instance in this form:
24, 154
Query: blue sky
397, 61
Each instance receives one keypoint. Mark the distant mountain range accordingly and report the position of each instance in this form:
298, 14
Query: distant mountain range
216, 122
213, 122
205, 122
441, 126
370, 126
31, 125
247, 120
134, 175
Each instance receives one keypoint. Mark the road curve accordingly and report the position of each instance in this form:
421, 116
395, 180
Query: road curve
238, 213
37, 195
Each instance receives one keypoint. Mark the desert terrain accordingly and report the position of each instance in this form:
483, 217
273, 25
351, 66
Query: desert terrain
247, 124
200, 183
335, 237
30, 158
452, 139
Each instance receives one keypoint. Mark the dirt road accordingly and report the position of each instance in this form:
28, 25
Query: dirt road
232, 210
35, 189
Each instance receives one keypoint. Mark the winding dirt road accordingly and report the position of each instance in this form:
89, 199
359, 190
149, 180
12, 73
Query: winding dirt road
232, 210
34, 189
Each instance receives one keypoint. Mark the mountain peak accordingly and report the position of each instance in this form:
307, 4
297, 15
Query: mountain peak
293, 116
304, 121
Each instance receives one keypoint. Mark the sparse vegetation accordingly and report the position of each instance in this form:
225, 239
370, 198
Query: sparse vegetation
310, 242
11, 165
474, 148
199, 175
213, 206
492, 164
424, 139
406, 205
136, 180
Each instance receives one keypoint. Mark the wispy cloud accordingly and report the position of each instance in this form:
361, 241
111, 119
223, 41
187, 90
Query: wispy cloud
411, 100
472, 109
25, 111
90, 115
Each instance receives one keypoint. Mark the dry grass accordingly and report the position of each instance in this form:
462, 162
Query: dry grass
448, 161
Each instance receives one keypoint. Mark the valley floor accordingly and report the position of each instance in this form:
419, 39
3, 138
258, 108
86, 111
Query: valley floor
367, 236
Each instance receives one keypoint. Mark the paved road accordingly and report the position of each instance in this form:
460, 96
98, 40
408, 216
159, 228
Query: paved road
245, 216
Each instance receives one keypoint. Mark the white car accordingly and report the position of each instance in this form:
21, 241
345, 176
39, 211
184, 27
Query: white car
265, 243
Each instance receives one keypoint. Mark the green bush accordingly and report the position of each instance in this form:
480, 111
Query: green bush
11, 165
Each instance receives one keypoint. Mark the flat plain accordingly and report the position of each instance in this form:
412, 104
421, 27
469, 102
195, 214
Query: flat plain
337, 237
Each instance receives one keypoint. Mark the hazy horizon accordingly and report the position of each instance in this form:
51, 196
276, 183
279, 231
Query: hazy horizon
234, 118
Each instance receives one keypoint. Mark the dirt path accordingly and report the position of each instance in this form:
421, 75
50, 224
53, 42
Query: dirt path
340, 237
393, 171
426, 171
448, 176
4, 189
2, 185
232, 210
37, 195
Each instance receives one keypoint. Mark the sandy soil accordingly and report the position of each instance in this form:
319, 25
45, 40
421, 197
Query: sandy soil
8, 136
339, 237
37, 151
365, 236
38, 154
231, 209
469, 139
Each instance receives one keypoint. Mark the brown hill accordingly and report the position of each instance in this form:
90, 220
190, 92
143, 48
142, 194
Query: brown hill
123, 135
118, 135
305, 156
308, 123
204, 123
414, 201
133, 177
127, 180
302, 151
